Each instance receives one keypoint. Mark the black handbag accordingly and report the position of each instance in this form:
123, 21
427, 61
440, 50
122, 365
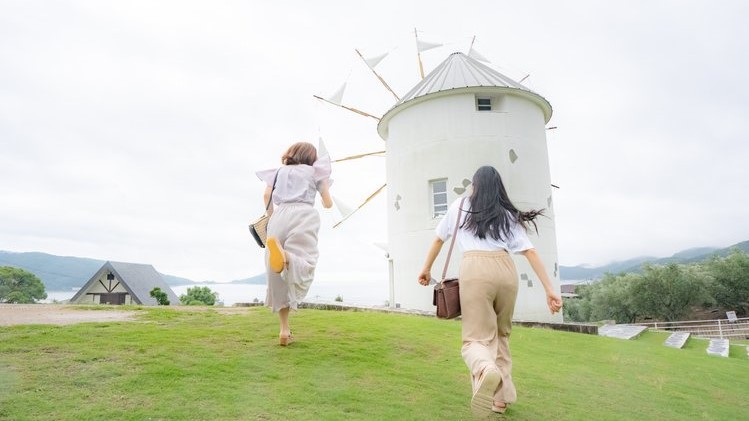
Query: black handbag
447, 292
259, 228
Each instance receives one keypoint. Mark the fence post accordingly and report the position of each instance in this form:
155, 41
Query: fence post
720, 329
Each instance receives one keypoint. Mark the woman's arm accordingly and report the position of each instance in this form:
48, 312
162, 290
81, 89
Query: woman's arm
552, 299
323, 188
266, 197
426, 273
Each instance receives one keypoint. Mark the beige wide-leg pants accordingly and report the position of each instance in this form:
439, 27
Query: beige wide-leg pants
295, 225
488, 288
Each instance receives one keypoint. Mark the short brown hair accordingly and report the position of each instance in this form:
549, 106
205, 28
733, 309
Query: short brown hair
300, 153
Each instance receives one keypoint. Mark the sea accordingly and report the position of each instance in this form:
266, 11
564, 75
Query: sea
364, 292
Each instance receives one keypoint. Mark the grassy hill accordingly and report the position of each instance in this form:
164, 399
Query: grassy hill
192, 364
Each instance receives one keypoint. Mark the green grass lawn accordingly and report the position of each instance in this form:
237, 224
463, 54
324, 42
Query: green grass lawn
203, 365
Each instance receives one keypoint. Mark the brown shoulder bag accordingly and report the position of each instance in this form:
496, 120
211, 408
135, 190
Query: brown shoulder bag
447, 291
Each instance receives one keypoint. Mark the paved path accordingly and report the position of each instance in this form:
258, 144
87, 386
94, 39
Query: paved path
621, 331
57, 314
719, 347
677, 340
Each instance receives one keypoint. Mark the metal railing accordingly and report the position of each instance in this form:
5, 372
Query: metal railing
710, 329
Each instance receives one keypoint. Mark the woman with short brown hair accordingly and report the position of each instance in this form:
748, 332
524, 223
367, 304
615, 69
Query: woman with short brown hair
292, 251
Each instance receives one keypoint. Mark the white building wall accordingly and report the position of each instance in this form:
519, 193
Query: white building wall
446, 137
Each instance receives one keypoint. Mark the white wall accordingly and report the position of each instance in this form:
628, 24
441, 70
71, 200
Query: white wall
445, 137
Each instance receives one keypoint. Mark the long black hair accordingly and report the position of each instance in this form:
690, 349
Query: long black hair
492, 211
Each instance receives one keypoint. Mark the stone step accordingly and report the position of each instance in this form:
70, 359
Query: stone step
621, 331
677, 340
718, 347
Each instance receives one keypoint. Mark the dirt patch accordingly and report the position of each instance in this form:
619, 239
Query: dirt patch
57, 314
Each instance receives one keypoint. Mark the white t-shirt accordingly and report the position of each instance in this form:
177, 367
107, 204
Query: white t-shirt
466, 240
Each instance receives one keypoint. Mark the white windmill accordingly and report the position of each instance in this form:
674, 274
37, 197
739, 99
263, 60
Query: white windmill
460, 116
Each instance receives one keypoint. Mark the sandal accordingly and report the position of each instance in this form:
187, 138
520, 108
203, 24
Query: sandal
285, 340
499, 409
482, 401
277, 257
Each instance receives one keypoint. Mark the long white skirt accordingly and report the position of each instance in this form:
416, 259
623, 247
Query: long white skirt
295, 225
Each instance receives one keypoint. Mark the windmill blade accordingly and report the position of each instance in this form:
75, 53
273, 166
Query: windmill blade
382, 246
322, 150
343, 208
472, 53
376, 60
337, 97
360, 206
362, 155
352, 109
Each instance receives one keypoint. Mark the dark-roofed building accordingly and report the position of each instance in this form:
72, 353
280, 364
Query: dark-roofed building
123, 283
569, 290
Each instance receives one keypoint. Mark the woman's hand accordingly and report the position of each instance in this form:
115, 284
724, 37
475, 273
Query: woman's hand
424, 277
554, 302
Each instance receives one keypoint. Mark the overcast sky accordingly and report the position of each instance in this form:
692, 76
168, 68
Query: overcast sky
131, 130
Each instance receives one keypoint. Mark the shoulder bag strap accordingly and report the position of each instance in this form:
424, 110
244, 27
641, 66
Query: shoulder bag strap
452, 242
270, 199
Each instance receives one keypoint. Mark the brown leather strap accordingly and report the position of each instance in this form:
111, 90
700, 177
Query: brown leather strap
452, 242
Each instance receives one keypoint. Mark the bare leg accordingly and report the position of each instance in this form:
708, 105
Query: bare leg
283, 318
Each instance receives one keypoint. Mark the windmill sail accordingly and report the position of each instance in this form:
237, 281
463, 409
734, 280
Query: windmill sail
361, 155
360, 112
422, 46
348, 214
472, 53
426, 46
337, 97
376, 60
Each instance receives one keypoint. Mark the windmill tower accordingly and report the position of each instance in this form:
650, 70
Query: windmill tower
461, 116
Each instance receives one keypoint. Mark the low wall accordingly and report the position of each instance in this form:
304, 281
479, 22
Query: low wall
589, 329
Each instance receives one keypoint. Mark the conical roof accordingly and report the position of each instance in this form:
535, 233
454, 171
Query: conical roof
460, 71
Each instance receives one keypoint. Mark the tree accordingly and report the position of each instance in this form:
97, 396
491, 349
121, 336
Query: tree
668, 292
199, 296
19, 286
613, 298
730, 283
160, 296
609, 298
578, 309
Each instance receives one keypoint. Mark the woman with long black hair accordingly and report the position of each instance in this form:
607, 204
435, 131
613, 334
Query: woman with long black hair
491, 228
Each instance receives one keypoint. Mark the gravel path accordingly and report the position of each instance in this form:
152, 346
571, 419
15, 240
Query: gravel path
57, 314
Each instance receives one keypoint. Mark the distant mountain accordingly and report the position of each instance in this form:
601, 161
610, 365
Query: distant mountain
585, 272
255, 280
693, 255
63, 273
697, 252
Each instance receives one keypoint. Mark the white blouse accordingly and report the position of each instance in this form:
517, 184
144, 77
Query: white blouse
297, 183
466, 240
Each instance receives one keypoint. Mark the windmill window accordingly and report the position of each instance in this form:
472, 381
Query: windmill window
438, 190
483, 103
